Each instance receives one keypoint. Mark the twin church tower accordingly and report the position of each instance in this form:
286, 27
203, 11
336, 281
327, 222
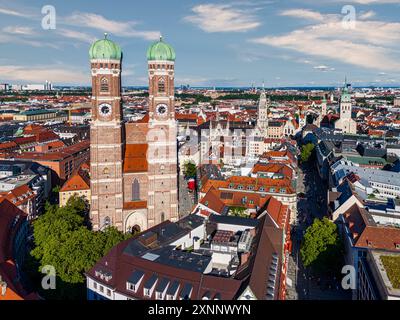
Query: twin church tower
133, 165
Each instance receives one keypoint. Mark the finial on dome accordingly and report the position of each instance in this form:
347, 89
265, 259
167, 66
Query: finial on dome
161, 37
105, 35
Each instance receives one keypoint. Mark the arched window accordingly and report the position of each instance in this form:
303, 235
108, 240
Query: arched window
162, 216
135, 190
161, 85
104, 85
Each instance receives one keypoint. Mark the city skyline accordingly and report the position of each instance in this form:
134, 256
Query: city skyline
235, 43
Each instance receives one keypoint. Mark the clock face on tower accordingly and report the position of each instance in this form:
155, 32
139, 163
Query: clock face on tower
105, 109
162, 109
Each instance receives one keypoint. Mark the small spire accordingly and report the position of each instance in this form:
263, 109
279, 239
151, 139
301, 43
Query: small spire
161, 37
105, 35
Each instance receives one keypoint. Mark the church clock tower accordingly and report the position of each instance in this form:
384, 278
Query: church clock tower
162, 152
106, 135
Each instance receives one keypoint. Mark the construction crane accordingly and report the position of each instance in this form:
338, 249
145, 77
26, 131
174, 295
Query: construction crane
75, 106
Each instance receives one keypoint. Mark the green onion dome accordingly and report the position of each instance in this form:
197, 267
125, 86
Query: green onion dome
161, 51
105, 49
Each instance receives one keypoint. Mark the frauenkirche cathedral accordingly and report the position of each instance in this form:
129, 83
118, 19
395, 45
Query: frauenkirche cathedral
133, 164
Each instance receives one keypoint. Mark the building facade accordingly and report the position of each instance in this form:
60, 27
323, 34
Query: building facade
133, 164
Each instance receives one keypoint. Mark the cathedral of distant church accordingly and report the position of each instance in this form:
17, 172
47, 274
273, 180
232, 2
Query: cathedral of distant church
133, 164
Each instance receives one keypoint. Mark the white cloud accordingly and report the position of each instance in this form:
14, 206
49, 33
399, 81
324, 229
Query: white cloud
372, 44
367, 15
222, 18
122, 29
77, 35
19, 30
22, 40
39, 74
324, 68
14, 13
303, 14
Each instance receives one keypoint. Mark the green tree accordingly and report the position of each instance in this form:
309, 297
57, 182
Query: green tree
238, 211
190, 170
56, 189
306, 152
321, 248
63, 241
111, 237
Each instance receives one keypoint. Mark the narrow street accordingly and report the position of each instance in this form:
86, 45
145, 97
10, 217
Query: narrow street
311, 205
186, 198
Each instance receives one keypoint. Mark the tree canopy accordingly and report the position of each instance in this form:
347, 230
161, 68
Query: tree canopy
321, 247
63, 240
190, 170
306, 152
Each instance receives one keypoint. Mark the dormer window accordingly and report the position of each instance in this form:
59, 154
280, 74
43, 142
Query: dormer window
134, 281
162, 288
149, 286
172, 291
186, 292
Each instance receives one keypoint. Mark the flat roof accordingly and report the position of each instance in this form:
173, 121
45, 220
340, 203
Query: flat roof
387, 274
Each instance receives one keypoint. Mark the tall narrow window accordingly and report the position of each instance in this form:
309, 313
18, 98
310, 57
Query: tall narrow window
135, 190
104, 85
162, 216
161, 85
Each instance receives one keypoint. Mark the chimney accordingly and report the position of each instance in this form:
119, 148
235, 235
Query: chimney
3, 287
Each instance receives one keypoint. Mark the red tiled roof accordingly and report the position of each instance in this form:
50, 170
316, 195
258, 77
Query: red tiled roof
212, 201
19, 195
368, 234
8, 145
15, 290
57, 155
8, 213
78, 181
273, 168
234, 183
135, 159
135, 205
279, 212
186, 116
11, 293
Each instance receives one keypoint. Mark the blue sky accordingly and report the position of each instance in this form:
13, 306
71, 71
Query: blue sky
221, 43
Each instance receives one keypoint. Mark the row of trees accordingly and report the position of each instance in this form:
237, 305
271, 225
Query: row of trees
63, 240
